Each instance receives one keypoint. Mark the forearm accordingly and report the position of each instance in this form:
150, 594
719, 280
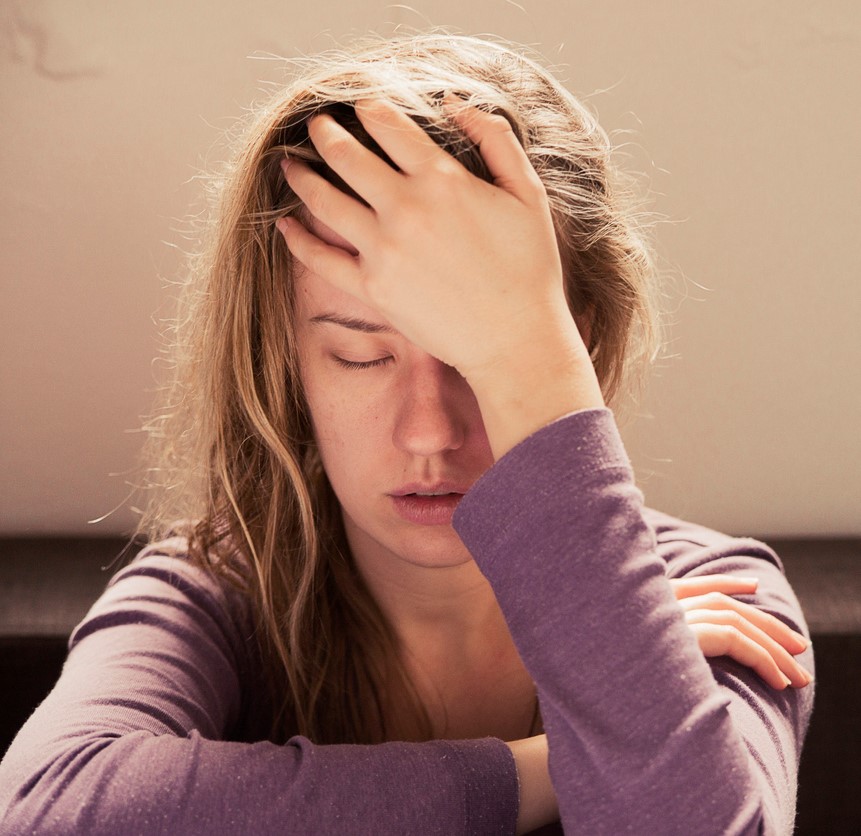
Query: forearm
548, 375
538, 805
139, 783
639, 732
136, 737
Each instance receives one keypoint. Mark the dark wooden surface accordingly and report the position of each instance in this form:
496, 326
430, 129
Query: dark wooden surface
826, 575
48, 584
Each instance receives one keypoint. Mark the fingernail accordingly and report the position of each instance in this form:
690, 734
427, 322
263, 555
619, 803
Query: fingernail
786, 680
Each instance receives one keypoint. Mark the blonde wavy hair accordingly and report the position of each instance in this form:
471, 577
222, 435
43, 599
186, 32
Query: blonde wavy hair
231, 445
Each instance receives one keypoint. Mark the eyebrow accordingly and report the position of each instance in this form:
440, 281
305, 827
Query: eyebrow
353, 323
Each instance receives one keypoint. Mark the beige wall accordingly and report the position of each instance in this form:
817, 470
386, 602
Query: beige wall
746, 121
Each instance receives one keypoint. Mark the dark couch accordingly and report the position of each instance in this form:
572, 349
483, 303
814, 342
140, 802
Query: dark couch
46, 586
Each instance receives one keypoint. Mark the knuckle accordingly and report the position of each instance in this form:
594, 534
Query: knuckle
728, 634
315, 196
733, 619
497, 122
534, 186
310, 260
314, 259
374, 281
445, 176
338, 149
715, 599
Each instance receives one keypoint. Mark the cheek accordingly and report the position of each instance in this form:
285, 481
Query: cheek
346, 427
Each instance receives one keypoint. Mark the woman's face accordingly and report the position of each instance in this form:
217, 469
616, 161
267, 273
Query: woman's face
400, 433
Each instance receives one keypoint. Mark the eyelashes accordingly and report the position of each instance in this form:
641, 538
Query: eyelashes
357, 366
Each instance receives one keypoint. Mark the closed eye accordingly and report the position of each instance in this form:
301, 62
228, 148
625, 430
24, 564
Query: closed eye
355, 365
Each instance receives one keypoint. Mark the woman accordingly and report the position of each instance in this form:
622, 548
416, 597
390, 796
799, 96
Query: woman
416, 534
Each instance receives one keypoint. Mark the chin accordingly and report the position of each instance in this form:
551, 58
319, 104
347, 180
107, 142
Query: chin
436, 550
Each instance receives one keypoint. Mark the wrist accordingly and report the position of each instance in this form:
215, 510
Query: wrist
533, 385
538, 804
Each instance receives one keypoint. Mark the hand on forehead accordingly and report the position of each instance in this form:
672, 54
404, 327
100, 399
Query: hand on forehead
327, 234
467, 270
317, 296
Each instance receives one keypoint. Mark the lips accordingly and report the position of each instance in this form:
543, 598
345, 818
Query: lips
430, 489
428, 504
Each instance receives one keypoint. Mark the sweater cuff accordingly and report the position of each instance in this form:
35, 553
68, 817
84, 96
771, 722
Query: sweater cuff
582, 446
489, 806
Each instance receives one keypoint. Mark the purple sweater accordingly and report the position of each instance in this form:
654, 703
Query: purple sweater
151, 727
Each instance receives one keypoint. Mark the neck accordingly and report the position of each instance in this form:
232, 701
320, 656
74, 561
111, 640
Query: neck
443, 601
455, 644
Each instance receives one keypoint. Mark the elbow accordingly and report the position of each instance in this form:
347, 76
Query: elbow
26, 797
48, 793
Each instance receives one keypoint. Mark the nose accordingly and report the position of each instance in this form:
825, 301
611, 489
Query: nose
436, 407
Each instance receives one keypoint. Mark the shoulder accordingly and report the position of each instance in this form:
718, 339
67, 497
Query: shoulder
687, 546
691, 550
165, 583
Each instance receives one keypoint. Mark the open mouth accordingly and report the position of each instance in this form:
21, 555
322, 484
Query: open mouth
427, 508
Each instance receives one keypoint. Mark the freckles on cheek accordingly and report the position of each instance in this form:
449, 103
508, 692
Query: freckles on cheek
342, 421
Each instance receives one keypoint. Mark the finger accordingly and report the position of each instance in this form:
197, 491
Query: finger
334, 264
716, 640
410, 148
732, 635
346, 215
499, 147
727, 584
791, 640
368, 174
